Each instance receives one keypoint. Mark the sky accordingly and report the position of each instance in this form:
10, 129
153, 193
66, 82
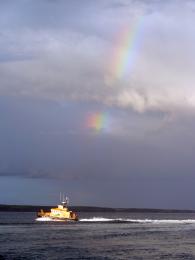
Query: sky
97, 100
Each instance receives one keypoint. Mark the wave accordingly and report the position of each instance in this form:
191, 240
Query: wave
152, 221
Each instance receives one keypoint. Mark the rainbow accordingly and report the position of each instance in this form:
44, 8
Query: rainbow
126, 49
97, 121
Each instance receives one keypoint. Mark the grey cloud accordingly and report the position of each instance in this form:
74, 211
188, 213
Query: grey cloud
64, 53
55, 70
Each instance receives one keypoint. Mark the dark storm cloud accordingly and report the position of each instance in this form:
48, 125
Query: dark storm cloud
45, 139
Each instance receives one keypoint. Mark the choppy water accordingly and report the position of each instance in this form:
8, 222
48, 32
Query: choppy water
98, 236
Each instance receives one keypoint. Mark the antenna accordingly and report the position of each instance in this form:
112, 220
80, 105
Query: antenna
64, 200
67, 200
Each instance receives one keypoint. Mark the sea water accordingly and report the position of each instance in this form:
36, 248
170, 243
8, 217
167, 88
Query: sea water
98, 236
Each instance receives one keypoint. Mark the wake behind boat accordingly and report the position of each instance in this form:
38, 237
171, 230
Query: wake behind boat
61, 213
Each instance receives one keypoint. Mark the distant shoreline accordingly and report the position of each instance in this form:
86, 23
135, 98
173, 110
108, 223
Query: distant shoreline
30, 208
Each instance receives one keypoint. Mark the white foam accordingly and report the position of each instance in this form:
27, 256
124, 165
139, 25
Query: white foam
154, 221
96, 219
101, 219
47, 219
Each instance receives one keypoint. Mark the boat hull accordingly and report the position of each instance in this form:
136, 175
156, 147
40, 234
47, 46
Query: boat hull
56, 219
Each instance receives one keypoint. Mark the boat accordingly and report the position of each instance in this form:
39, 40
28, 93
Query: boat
60, 213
